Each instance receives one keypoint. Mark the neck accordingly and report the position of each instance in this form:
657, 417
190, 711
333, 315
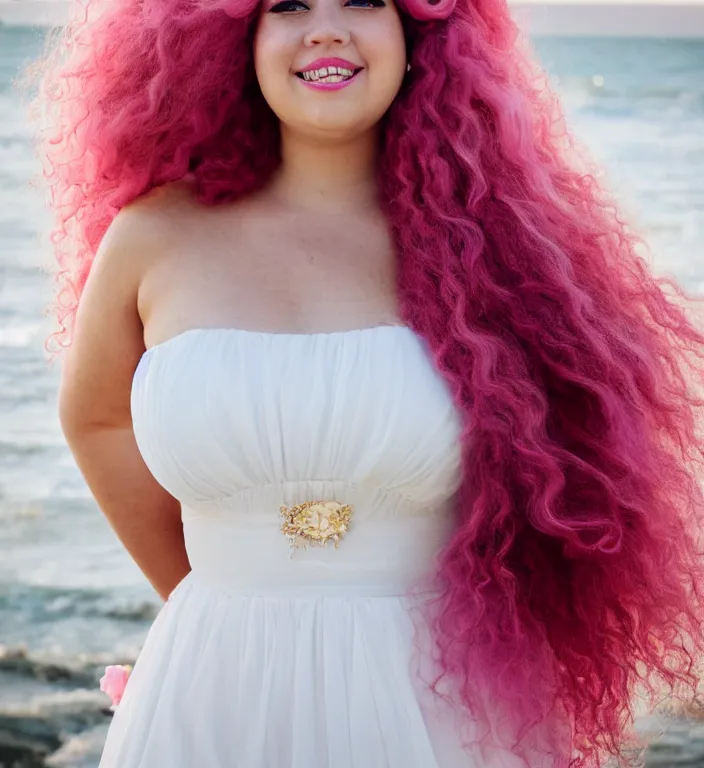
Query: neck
326, 177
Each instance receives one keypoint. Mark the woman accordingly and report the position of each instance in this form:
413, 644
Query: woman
369, 379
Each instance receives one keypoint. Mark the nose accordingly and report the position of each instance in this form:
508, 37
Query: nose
327, 28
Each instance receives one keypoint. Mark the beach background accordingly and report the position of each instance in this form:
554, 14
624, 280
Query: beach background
71, 599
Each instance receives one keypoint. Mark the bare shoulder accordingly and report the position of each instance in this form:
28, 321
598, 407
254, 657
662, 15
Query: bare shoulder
163, 203
108, 333
151, 222
142, 236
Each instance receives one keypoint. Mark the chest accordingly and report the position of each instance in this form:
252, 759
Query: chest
218, 411
288, 272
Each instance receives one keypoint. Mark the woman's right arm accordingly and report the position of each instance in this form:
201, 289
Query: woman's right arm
94, 405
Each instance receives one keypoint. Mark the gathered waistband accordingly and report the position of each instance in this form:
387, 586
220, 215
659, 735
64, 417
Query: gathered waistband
377, 557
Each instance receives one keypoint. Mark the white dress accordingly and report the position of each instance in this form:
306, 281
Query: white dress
267, 656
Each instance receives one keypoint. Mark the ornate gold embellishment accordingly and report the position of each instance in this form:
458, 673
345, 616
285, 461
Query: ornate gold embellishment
317, 522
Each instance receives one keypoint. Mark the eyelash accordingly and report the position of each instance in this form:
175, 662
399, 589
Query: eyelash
288, 6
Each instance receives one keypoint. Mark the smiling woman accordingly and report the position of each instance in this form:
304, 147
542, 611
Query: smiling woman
294, 37
442, 510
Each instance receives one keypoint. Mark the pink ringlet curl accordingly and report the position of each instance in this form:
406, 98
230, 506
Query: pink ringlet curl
156, 13
428, 10
575, 575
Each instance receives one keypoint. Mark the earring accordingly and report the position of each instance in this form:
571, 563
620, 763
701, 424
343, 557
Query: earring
408, 67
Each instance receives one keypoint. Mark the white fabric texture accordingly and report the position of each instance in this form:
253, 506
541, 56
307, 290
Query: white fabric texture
264, 657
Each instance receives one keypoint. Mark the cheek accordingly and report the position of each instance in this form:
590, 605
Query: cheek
387, 51
271, 52
382, 41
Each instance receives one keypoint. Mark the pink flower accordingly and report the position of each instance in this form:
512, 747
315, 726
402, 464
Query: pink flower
114, 680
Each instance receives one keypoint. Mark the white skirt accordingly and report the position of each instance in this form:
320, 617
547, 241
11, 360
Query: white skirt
313, 680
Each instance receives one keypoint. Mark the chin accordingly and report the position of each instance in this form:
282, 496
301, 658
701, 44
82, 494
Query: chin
333, 127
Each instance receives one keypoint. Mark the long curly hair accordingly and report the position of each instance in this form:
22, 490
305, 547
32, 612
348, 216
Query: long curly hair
574, 578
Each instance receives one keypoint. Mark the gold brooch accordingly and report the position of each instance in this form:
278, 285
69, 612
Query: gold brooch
317, 522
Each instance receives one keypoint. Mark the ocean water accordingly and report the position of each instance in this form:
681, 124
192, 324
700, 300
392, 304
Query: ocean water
71, 599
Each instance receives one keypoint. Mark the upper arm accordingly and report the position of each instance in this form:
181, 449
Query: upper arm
108, 338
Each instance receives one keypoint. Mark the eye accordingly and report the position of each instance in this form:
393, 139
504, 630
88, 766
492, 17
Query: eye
288, 6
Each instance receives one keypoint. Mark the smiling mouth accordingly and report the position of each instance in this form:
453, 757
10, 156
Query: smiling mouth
328, 74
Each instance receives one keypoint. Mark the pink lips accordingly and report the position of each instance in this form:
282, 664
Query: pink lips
330, 62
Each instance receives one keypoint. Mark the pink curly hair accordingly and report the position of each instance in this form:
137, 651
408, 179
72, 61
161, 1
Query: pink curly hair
574, 577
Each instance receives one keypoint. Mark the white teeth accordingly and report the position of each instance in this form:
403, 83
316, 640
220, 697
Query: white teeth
328, 74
